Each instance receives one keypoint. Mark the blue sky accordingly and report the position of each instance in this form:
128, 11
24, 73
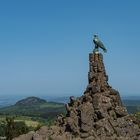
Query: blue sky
44, 45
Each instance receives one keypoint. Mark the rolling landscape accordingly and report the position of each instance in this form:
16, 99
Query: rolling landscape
31, 113
36, 111
131, 102
34, 107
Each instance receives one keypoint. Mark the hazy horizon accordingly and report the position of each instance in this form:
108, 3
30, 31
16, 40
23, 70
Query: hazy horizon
44, 45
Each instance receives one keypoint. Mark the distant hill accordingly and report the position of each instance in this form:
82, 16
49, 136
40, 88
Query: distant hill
30, 101
34, 107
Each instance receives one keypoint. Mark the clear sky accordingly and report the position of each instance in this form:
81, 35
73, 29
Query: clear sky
44, 45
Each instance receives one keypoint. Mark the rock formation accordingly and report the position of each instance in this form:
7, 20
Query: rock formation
97, 115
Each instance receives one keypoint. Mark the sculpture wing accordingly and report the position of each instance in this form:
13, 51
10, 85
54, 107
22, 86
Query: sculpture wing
101, 45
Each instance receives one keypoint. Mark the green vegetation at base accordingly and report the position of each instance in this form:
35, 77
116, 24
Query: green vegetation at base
27, 116
11, 128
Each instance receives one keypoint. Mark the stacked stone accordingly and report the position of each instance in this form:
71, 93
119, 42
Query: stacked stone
97, 115
97, 76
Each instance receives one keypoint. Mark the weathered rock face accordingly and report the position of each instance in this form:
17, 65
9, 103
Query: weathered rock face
97, 115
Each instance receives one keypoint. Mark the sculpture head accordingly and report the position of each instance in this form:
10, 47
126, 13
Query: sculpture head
95, 35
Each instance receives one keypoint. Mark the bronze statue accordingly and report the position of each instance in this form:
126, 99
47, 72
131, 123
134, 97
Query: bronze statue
98, 44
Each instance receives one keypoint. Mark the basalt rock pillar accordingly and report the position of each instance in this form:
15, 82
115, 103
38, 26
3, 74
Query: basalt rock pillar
97, 115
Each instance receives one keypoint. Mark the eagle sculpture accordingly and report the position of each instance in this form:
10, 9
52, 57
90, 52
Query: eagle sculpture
98, 44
